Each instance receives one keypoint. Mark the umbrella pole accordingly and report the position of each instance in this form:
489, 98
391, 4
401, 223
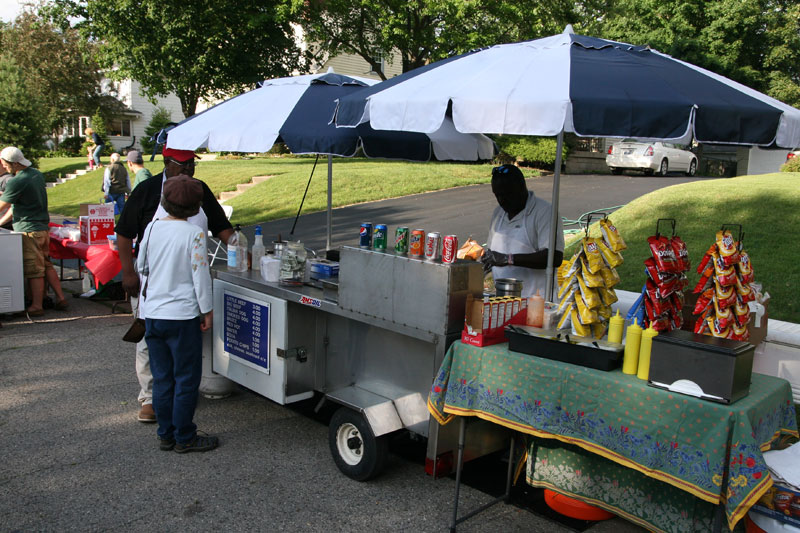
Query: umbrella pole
551, 249
330, 199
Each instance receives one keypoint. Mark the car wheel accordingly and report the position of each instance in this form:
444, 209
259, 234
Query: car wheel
649, 172
664, 168
692, 168
356, 451
616, 171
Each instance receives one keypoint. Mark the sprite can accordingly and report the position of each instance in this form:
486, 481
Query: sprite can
401, 240
379, 237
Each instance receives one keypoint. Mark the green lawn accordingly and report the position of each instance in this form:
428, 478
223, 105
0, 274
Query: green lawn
768, 208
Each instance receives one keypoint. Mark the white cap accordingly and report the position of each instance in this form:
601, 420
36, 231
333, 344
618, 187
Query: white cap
12, 154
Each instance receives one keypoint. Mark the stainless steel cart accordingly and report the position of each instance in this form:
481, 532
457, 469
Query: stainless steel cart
371, 342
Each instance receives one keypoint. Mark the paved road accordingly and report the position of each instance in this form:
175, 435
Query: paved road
463, 211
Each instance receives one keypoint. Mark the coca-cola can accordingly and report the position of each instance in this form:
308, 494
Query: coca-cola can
449, 248
433, 246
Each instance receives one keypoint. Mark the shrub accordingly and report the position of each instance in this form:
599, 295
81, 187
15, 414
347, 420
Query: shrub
531, 151
99, 127
161, 117
73, 146
792, 165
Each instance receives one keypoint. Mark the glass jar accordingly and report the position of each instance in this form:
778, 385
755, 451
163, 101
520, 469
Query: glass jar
293, 263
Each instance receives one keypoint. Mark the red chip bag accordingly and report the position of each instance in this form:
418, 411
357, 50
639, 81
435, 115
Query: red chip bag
705, 281
725, 275
739, 332
742, 312
649, 310
662, 251
665, 281
724, 296
706, 258
744, 291
716, 329
701, 325
677, 302
661, 323
745, 268
703, 301
681, 253
677, 321
724, 316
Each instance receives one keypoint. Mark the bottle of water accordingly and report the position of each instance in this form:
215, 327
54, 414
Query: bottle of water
258, 249
233, 251
244, 251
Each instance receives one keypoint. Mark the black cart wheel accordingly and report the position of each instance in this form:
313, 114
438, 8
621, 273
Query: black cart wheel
356, 451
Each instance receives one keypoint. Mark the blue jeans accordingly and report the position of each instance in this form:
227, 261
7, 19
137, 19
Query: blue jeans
176, 360
119, 201
97, 154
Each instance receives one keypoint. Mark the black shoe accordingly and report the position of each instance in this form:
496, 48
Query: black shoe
48, 303
165, 445
198, 444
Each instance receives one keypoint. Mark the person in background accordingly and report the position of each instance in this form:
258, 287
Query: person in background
142, 207
136, 165
116, 183
97, 146
177, 308
4, 177
519, 233
25, 191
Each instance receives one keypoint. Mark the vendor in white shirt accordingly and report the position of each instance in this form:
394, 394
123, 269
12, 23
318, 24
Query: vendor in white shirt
519, 233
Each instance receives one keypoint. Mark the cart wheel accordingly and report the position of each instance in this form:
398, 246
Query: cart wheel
357, 453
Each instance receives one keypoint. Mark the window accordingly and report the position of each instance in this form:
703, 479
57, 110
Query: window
378, 58
119, 128
589, 144
84, 123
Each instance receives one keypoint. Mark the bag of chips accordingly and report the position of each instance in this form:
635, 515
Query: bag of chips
661, 323
725, 275
569, 283
677, 302
724, 296
703, 301
594, 258
716, 329
742, 312
613, 259
662, 251
584, 313
728, 250
739, 332
724, 315
666, 281
706, 258
705, 280
564, 322
681, 253
609, 296
591, 279
578, 328
610, 277
744, 291
612, 236
599, 330
744, 268
590, 296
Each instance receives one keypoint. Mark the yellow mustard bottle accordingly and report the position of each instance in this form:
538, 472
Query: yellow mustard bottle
644, 353
633, 339
615, 326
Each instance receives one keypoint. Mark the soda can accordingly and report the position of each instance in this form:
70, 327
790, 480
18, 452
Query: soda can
401, 240
416, 244
365, 235
449, 248
433, 246
379, 237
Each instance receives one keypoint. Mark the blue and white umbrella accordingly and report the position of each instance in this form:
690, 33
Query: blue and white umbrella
572, 83
297, 110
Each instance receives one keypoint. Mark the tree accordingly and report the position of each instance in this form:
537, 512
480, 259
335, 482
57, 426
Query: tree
201, 49
423, 31
755, 42
57, 68
22, 121
160, 118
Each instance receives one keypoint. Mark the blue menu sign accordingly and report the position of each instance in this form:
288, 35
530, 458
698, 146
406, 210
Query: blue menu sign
246, 333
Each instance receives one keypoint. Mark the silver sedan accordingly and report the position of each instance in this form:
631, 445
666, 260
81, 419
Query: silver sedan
650, 158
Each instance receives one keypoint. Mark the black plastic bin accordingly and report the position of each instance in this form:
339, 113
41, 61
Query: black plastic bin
561, 350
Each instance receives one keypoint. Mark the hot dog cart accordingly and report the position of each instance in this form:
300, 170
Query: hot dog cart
371, 341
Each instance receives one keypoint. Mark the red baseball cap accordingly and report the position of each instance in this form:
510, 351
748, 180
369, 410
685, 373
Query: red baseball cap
179, 155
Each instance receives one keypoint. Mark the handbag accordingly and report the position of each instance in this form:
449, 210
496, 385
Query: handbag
137, 330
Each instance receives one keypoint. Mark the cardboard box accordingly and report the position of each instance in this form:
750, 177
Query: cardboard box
95, 230
780, 503
485, 322
97, 210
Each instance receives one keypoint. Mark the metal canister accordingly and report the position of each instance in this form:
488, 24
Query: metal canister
379, 237
449, 248
433, 246
401, 240
365, 235
416, 244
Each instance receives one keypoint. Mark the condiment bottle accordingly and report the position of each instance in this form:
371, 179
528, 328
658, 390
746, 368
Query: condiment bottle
258, 250
615, 326
535, 311
644, 352
633, 339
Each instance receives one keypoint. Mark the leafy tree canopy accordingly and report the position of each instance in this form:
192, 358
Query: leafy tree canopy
428, 30
22, 122
199, 49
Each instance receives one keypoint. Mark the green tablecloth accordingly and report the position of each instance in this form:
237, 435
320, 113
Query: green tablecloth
677, 439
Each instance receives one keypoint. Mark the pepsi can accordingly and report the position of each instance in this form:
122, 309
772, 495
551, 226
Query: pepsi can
379, 237
365, 235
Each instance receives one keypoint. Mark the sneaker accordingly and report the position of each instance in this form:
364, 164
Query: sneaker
198, 444
165, 445
147, 414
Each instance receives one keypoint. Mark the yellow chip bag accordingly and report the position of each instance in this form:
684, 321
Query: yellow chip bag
609, 296
610, 277
577, 327
599, 330
612, 259
563, 322
612, 236
604, 312
586, 315
568, 284
569, 299
590, 279
594, 259
590, 295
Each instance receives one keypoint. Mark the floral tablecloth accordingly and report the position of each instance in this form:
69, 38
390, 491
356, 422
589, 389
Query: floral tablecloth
689, 443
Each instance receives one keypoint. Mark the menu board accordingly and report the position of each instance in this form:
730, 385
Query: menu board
246, 329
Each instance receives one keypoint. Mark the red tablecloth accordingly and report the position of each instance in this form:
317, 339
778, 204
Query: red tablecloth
100, 259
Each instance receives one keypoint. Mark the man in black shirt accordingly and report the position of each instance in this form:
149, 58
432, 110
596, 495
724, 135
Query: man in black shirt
142, 207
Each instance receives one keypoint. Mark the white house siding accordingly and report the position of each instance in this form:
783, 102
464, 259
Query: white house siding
129, 94
353, 65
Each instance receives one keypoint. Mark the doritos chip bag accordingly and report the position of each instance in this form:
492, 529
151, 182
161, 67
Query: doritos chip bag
662, 251
681, 253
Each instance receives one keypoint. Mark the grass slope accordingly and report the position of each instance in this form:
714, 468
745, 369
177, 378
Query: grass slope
768, 208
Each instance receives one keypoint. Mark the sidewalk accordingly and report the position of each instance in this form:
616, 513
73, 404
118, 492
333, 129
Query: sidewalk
76, 459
